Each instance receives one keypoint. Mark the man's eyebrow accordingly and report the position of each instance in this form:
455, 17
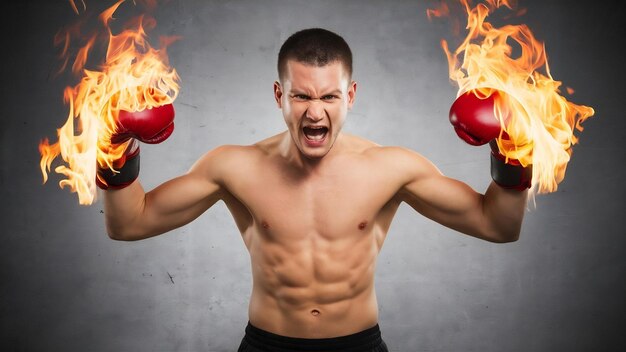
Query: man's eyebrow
303, 92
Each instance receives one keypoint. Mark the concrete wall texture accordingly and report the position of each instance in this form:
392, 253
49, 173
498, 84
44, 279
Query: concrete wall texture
65, 286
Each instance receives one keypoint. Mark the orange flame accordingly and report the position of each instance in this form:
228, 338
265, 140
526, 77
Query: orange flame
133, 77
441, 11
539, 121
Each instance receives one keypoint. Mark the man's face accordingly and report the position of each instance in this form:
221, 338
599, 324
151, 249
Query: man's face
315, 102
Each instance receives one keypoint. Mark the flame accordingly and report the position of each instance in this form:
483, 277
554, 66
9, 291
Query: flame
134, 77
441, 11
75, 8
538, 123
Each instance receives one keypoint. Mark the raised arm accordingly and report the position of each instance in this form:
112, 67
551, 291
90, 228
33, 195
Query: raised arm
132, 214
495, 216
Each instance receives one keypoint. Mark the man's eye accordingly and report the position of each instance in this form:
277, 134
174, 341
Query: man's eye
328, 97
301, 97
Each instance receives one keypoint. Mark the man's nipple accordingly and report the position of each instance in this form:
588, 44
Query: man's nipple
362, 225
265, 224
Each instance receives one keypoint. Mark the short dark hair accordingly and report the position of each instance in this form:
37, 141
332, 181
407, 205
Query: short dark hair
315, 46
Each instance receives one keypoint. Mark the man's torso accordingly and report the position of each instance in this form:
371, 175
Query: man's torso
313, 236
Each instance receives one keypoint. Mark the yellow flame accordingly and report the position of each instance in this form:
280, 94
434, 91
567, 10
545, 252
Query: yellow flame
539, 121
134, 77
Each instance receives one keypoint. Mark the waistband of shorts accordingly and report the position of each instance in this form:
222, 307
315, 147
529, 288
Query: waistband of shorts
363, 340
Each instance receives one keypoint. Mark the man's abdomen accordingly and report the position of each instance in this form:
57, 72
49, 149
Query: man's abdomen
284, 313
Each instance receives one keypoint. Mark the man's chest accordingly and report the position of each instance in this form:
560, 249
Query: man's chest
330, 204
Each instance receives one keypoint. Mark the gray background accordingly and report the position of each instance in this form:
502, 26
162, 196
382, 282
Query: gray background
65, 286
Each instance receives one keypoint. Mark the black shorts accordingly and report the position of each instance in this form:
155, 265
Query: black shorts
257, 340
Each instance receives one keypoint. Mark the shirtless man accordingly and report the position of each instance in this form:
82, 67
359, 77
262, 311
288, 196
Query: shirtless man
313, 205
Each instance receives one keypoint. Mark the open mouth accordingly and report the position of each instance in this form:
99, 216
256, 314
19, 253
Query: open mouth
314, 133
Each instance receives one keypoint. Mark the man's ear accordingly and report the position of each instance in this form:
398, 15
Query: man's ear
278, 94
351, 94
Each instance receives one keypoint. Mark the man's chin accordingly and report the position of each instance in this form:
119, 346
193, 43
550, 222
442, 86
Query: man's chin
315, 149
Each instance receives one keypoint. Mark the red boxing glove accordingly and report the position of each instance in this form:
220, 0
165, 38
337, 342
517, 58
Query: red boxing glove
475, 122
473, 118
149, 126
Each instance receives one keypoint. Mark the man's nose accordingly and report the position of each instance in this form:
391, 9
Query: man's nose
315, 110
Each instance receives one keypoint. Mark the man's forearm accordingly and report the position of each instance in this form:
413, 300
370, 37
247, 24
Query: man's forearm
122, 209
504, 209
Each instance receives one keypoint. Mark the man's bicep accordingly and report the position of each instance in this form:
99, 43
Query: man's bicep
184, 198
445, 200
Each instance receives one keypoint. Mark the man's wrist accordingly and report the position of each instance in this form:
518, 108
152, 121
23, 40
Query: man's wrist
509, 173
125, 175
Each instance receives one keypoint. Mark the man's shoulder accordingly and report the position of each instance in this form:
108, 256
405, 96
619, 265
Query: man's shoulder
358, 144
395, 157
269, 145
235, 155
229, 151
366, 147
224, 156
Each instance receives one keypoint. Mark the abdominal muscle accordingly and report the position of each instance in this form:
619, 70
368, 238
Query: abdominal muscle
314, 286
